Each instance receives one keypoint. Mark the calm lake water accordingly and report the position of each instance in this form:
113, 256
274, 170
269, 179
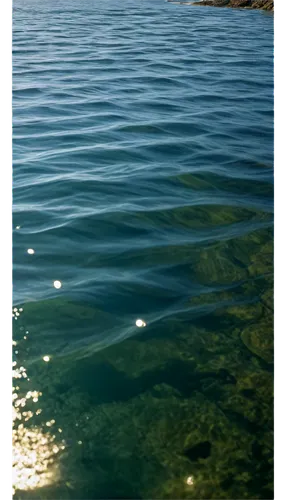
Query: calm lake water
143, 182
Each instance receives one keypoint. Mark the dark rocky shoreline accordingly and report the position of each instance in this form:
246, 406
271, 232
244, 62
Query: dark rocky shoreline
247, 4
267, 5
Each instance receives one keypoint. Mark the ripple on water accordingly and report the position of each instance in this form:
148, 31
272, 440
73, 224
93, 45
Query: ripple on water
143, 184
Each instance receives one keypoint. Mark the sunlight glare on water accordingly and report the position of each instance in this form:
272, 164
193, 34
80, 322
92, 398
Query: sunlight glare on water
34, 449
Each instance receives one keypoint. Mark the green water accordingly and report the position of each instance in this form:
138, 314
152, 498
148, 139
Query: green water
143, 181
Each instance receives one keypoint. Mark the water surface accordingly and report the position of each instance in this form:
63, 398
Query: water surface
143, 181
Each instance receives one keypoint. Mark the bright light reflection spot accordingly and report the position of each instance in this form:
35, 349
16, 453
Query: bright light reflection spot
49, 424
140, 323
57, 284
33, 448
32, 457
190, 481
31, 251
46, 358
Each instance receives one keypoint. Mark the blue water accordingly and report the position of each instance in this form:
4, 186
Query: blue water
143, 181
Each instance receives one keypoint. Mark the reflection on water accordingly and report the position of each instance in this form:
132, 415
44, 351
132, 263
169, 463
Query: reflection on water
34, 448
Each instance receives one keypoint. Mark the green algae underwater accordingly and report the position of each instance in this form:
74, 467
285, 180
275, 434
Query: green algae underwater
190, 397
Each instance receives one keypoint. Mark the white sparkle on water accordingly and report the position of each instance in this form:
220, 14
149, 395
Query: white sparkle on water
57, 284
190, 481
31, 251
140, 323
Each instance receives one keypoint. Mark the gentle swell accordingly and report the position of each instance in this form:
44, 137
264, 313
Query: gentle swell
142, 135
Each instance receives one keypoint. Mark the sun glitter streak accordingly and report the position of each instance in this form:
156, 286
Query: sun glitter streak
32, 456
33, 448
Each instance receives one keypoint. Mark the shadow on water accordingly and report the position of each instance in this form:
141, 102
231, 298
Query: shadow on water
105, 385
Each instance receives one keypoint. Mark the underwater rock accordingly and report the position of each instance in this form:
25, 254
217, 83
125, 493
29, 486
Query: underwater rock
258, 338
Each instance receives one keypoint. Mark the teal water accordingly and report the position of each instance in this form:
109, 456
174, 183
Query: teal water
143, 181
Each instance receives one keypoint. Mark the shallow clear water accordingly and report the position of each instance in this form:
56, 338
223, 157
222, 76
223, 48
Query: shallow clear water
143, 181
